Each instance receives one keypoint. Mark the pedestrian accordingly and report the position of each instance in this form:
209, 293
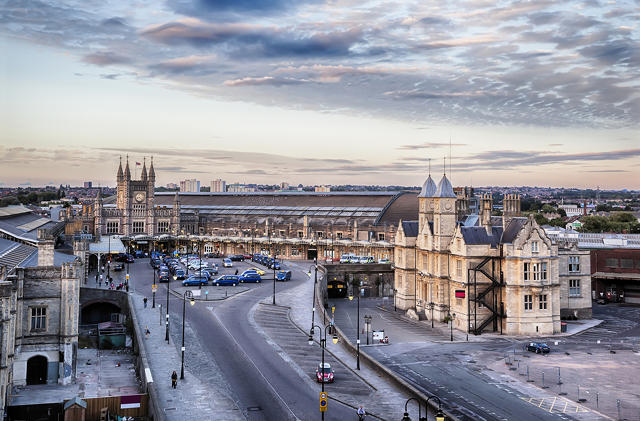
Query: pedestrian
102, 268
147, 332
236, 271
127, 286
361, 413
145, 302
174, 379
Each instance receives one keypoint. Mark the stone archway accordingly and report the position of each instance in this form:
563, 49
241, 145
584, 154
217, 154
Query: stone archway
37, 370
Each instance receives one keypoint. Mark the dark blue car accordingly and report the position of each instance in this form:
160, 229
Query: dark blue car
179, 274
226, 280
283, 275
195, 280
538, 348
250, 276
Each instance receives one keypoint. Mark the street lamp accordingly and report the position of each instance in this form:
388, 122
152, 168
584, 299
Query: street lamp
358, 329
315, 281
166, 335
192, 301
323, 345
395, 291
367, 322
431, 307
439, 413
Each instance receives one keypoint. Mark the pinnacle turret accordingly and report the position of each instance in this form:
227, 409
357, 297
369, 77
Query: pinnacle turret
127, 171
120, 176
144, 169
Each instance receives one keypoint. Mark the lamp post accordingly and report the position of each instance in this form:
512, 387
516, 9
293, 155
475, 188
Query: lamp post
192, 301
323, 345
166, 335
200, 259
153, 302
439, 413
358, 329
431, 306
394, 299
315, 281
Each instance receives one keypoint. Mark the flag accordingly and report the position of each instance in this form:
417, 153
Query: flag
137, 163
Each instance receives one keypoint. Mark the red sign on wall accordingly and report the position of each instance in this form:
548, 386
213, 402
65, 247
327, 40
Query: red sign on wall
460, 293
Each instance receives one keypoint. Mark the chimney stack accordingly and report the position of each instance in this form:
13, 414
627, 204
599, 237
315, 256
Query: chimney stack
511, 208
46, 246
486, 205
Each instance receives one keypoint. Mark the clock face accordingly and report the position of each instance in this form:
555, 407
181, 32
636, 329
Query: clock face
139, 197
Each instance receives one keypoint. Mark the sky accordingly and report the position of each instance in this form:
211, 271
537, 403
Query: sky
538, 93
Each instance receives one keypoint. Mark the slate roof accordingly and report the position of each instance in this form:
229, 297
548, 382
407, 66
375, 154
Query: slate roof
428, 188
24, 226
512, 230
410, 228
14, 254
479, 235
445, 189
58, 259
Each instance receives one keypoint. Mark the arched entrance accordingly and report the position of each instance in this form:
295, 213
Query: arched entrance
37, 370
98, 312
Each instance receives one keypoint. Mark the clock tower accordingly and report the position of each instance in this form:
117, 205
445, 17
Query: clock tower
135, 200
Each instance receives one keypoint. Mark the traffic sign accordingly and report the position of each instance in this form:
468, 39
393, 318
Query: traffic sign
154, 287
127, 277
323, 401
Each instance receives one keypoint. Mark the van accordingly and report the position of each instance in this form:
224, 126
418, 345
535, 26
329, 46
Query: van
346, 258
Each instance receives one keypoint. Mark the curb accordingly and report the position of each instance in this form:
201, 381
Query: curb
384, 370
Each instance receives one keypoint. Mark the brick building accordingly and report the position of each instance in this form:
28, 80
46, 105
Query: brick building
615, 274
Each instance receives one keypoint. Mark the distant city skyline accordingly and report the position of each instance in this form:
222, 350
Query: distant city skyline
534, 93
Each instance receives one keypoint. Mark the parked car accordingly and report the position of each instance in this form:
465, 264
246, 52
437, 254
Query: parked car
163, 268
324, 374
195, 280
197, 265
283, 275
366, 259
354, 259
155, 262
237, 257
179, 274
260, 271
163, 277
118, 267
211, 271
139, 254
247, 256
227, 263
538, 348
250, 276
226, 280
384, 261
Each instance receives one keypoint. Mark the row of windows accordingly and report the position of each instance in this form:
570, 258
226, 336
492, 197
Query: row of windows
113, 227
621, 263
535, 271
528, 302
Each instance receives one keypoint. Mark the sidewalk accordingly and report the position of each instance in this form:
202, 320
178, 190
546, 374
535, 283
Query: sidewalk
192, 399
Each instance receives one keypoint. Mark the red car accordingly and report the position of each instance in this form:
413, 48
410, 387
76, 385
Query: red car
325, 375
247, 256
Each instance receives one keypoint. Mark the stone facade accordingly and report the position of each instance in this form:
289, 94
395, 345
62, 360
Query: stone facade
574, 266
483, 273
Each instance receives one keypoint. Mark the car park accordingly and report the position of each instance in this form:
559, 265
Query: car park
283, 275
195, 280
324, 374
250, 276
226, 280
227, 263
538, 348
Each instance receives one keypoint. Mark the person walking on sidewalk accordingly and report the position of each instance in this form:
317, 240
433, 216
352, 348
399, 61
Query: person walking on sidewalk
361, 413
174, 379
145, 302
147, 332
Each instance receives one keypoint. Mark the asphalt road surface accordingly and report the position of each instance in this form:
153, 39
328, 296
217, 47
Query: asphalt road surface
264, 385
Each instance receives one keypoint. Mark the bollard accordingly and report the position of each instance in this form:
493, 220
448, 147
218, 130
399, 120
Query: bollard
579, 398
559, 380
160, 314
561, 393
597, 399
618, 405
528, 379
543, 386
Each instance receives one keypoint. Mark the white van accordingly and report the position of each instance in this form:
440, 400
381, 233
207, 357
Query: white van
346, 258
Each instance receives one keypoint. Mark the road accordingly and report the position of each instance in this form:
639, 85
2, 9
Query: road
264, 385
445, 369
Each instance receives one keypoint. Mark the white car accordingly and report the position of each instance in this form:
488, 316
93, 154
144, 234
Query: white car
227, 263
197, 265
384, 261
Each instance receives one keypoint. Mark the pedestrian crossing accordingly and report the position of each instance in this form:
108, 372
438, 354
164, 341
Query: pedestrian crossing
556, 404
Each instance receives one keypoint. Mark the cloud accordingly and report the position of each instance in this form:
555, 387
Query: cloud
250, 40
265, 80
105, 59
429, 145
226, 9
197, 65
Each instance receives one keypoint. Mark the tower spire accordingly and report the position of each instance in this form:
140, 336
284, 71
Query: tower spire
120, 176
144, 168
152, 173
127, 171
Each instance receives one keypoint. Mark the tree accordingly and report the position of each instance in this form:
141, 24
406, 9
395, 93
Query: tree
540, 219
547, 208
562, 212
622, 217
595, 224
